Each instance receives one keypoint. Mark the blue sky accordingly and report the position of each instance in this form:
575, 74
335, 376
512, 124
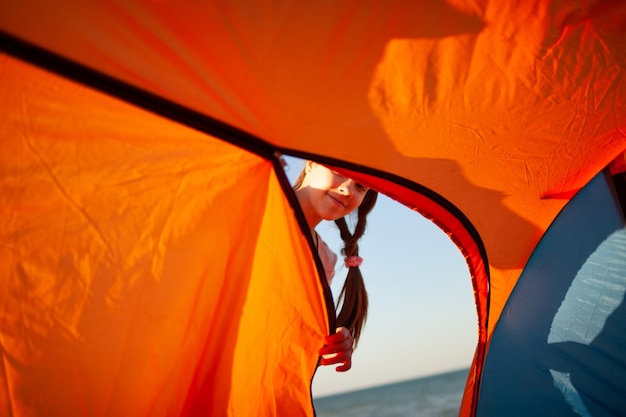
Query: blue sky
422, 318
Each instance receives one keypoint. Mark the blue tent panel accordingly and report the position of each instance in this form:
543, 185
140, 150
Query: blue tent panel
560, 346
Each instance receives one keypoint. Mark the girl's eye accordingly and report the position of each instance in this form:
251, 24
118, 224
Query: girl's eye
361, 187
339, 176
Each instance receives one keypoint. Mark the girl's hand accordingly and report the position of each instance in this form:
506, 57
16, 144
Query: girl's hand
338, 348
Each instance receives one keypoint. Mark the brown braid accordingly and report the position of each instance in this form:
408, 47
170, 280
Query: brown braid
353, 294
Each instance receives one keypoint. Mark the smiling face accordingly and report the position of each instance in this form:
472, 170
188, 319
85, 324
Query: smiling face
326, 195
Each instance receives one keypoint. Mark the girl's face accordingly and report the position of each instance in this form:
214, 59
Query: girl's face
331, 195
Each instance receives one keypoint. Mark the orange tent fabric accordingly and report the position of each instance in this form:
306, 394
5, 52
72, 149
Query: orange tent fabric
486, 117
130, 248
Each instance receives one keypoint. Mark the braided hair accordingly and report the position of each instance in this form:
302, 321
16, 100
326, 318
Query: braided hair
353, 295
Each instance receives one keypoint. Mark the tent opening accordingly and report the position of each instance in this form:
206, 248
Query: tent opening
422, 317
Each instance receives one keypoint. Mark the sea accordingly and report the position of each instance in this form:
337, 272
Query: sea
433, 396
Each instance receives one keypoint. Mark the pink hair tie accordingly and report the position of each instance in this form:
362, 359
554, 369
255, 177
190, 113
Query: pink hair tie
353, 261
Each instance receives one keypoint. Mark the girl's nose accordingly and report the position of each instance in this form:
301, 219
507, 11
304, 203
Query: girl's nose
346, 188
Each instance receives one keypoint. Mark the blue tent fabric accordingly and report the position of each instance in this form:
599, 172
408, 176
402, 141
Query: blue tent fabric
560, 346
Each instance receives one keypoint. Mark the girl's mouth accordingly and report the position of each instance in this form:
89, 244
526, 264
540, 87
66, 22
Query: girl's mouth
337, 201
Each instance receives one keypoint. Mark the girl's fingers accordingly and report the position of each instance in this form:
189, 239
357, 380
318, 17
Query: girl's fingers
338, 358
340, 341
345, 367
344, 360
338, 350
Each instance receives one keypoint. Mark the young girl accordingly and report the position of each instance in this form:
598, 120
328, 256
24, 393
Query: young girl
323, 194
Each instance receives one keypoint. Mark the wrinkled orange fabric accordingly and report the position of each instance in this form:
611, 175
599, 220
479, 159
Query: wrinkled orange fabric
505, 110
147, 269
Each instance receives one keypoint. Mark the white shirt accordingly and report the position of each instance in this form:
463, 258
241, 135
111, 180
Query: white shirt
328, 257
